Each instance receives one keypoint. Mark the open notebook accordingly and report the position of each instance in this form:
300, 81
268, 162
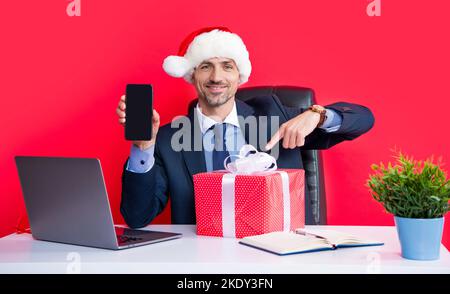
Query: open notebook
302, 241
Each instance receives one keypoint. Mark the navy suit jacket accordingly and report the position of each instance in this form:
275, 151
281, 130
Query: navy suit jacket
144, 195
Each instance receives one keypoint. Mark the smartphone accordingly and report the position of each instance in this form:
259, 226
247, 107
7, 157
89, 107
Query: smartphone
139, 112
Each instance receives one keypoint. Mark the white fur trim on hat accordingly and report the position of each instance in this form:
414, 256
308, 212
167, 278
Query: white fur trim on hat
176, 66
215, 43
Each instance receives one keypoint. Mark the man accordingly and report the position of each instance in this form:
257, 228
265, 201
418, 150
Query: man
216, 62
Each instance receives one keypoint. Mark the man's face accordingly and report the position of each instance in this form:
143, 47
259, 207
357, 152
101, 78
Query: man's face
216, 80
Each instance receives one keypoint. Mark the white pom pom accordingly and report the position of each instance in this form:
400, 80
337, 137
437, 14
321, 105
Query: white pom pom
176, 66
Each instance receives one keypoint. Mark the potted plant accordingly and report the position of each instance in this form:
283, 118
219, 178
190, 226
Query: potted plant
417, 194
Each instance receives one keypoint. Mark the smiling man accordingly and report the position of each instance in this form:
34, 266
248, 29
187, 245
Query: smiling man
216, 80
216, 62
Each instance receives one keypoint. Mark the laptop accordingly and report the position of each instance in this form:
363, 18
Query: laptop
67, 202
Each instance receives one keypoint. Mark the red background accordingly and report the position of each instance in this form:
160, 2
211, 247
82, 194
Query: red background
61, 79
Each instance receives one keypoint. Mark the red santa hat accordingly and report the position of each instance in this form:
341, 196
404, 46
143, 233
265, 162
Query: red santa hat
208, 43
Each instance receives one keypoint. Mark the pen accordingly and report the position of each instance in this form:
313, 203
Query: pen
304, 233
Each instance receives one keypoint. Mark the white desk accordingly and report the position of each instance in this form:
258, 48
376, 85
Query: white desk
194, 254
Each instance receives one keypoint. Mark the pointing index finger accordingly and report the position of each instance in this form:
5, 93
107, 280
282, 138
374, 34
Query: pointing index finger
275, 138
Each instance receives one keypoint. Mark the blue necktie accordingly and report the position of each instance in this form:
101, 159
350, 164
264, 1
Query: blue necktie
220, 151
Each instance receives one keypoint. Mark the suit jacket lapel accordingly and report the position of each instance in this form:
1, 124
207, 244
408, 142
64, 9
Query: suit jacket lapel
194, 158
262, 123
243, 112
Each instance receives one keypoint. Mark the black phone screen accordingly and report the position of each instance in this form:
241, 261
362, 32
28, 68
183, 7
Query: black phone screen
138, 112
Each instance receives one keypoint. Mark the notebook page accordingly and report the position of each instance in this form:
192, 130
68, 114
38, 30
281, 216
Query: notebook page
284, 242
335, 237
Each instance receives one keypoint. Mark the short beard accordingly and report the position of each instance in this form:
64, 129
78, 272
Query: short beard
213, 102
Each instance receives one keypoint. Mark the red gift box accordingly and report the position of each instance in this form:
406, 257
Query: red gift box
258, 200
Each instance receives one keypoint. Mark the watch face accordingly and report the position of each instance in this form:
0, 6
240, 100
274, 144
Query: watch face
318, 108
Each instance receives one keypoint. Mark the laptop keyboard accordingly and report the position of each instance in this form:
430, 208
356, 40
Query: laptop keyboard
127, 239
125, 235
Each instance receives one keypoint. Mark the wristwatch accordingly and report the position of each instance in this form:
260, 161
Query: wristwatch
320, 110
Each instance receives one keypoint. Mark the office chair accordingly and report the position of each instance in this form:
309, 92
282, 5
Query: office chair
292, 96
315, 198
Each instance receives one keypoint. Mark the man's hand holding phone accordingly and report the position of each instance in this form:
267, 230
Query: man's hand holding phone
142, 144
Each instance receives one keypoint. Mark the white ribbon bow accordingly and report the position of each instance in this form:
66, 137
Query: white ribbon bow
250, 161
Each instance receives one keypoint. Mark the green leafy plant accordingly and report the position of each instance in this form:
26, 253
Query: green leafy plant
411, 188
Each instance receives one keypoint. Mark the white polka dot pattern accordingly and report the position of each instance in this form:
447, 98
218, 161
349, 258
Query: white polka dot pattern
258, 203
